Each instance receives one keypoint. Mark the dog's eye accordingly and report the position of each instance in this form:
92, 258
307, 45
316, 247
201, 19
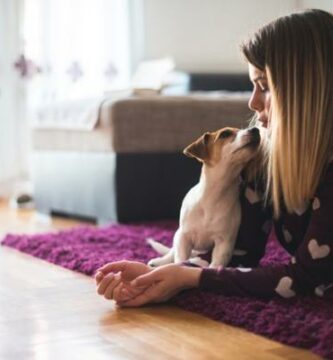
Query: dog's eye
225, 134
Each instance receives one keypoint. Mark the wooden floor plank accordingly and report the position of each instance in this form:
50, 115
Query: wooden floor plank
47, 312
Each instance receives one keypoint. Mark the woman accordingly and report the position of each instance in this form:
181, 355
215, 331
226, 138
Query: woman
291, 68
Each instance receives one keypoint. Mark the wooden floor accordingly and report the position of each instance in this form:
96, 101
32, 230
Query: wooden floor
47, 312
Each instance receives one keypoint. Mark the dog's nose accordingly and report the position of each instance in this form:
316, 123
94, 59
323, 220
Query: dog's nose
255, 135
254, 131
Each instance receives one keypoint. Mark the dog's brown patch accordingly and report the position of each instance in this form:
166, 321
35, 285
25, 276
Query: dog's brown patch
207, 148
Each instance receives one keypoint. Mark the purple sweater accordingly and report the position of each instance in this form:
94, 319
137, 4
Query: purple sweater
307, 235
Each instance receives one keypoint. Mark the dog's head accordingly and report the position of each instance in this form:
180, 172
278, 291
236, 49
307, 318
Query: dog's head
228, 145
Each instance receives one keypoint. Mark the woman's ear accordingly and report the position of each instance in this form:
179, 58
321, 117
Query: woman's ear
199, 148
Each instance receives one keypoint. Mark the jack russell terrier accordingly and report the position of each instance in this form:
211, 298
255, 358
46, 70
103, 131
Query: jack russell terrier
210, 214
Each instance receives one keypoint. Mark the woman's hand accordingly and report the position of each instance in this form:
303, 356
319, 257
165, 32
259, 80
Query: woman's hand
113, 279
161, 284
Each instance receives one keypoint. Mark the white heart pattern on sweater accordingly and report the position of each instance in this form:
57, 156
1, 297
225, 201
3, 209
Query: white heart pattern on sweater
284, 287
266, 228
316, 204
320, 290
301, 210
287, 236
244, 269
239, 252
252, 196
318, 251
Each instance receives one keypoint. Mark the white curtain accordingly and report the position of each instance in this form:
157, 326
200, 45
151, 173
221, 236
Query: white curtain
79, 48
53, 51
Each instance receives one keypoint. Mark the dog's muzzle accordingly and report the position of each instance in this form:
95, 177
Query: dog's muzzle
254, 139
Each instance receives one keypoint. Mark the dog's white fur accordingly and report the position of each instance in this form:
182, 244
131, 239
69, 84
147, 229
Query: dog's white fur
210, 213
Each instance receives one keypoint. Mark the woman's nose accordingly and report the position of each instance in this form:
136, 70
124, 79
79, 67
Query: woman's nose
256, 103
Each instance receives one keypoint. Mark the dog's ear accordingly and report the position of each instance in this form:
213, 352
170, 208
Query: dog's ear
199, 149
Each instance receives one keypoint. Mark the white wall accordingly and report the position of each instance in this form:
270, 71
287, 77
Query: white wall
204, 35
318, 4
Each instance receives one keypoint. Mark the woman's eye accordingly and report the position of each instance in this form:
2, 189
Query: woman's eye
262, 87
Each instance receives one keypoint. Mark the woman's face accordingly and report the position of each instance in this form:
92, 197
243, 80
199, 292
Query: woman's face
260, 100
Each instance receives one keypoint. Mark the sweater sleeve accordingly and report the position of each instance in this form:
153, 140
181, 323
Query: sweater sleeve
254, 229
310, 271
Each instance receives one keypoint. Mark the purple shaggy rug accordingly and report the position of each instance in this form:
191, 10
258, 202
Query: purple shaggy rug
304, 322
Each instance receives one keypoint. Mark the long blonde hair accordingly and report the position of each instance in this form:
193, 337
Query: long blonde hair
296, 52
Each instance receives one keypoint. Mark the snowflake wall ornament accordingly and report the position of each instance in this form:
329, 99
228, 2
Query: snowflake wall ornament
26, 68
75, 71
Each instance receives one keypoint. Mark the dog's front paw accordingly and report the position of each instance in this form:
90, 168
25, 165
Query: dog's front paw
222, 261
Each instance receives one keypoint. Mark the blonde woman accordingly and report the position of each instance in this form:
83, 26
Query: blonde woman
291, 68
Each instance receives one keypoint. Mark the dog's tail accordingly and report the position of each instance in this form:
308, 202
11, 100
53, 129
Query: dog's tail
158, 247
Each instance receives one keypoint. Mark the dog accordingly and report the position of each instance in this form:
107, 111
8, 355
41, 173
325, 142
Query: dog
210, 213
